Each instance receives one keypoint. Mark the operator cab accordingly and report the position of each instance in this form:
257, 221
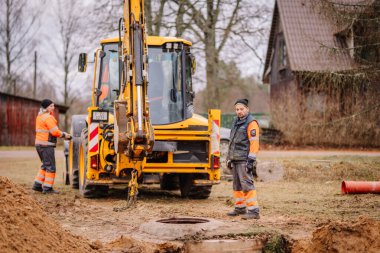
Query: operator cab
171, 66
108, 82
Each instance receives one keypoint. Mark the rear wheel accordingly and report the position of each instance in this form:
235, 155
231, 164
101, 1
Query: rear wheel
87, 191
189, 190
169, 182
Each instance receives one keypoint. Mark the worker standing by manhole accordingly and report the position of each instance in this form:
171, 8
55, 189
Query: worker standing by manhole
241, 158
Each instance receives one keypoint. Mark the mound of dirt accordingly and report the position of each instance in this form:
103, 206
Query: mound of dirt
141, 245
25, 227
360, 236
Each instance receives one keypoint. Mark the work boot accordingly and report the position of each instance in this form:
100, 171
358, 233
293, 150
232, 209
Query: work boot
49, 191
249, 216
37, 188
237, 211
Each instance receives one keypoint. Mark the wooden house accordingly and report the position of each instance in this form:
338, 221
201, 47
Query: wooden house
321, 88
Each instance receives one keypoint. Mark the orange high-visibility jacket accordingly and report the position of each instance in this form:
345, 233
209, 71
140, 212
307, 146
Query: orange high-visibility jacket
47, 130
244, 139
253, 136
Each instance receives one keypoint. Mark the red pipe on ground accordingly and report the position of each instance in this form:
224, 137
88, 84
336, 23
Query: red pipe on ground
360, 187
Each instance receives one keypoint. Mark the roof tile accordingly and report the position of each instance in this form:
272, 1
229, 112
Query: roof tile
310, 36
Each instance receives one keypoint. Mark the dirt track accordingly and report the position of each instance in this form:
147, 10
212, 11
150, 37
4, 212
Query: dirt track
308, 197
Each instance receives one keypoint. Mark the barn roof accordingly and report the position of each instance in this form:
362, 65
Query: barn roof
61, 108
309, 36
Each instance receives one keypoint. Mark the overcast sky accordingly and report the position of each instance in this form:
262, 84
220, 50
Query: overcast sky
47, 37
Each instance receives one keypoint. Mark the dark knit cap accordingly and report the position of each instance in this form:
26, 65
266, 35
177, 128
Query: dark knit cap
45, 103
243, 101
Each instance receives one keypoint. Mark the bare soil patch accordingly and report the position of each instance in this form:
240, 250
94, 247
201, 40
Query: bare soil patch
25, 227
363, 235
306, 199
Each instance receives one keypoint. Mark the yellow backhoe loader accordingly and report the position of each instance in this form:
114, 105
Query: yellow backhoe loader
114, 143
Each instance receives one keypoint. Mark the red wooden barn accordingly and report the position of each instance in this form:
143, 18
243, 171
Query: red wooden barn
18, 119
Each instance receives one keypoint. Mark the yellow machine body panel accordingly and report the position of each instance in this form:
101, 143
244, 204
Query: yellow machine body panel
194, 130
152, 40
186, 145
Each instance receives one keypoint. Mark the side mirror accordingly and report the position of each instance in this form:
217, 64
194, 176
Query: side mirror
97, 92
117, 91
82, 63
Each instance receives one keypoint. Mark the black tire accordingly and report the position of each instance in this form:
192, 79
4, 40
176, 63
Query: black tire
169, 182
66, 177
66, 173
78, 123
74, 159
189, 190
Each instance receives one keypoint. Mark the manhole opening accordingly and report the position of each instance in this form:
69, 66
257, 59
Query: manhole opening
183, 221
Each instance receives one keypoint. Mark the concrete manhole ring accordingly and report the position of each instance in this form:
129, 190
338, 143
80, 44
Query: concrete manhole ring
176, 227
183, 220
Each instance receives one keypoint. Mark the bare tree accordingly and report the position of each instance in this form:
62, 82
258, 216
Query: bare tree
46, 89
17, 29
70, 27
215, 23
108, 12
217, 28
154, 13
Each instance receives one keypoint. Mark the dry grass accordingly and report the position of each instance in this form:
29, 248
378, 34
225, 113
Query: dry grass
23, 170
331, 169
308, 195
323, 114
14, 148
311, 188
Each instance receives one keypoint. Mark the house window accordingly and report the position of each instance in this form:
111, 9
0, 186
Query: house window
366, 42
316, 103
342, 41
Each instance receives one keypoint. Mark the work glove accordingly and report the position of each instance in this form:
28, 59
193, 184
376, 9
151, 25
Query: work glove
251, 166
66, 136
229, 164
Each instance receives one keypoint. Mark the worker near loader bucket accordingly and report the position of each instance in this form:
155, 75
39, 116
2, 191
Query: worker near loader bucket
47, 132
241, 159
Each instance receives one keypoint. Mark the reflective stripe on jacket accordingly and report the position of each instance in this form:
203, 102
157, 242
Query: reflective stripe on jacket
243, 139
47, 130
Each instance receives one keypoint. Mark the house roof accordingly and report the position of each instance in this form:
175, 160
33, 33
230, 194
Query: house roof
309, 37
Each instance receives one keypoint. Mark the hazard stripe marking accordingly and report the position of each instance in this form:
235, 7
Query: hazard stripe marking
215, 137
94, 137
94, 148
93, 133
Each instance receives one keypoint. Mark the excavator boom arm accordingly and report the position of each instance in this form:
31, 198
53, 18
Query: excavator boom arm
132, 122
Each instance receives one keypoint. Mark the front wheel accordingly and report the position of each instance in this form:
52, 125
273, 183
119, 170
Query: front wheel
74, 161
